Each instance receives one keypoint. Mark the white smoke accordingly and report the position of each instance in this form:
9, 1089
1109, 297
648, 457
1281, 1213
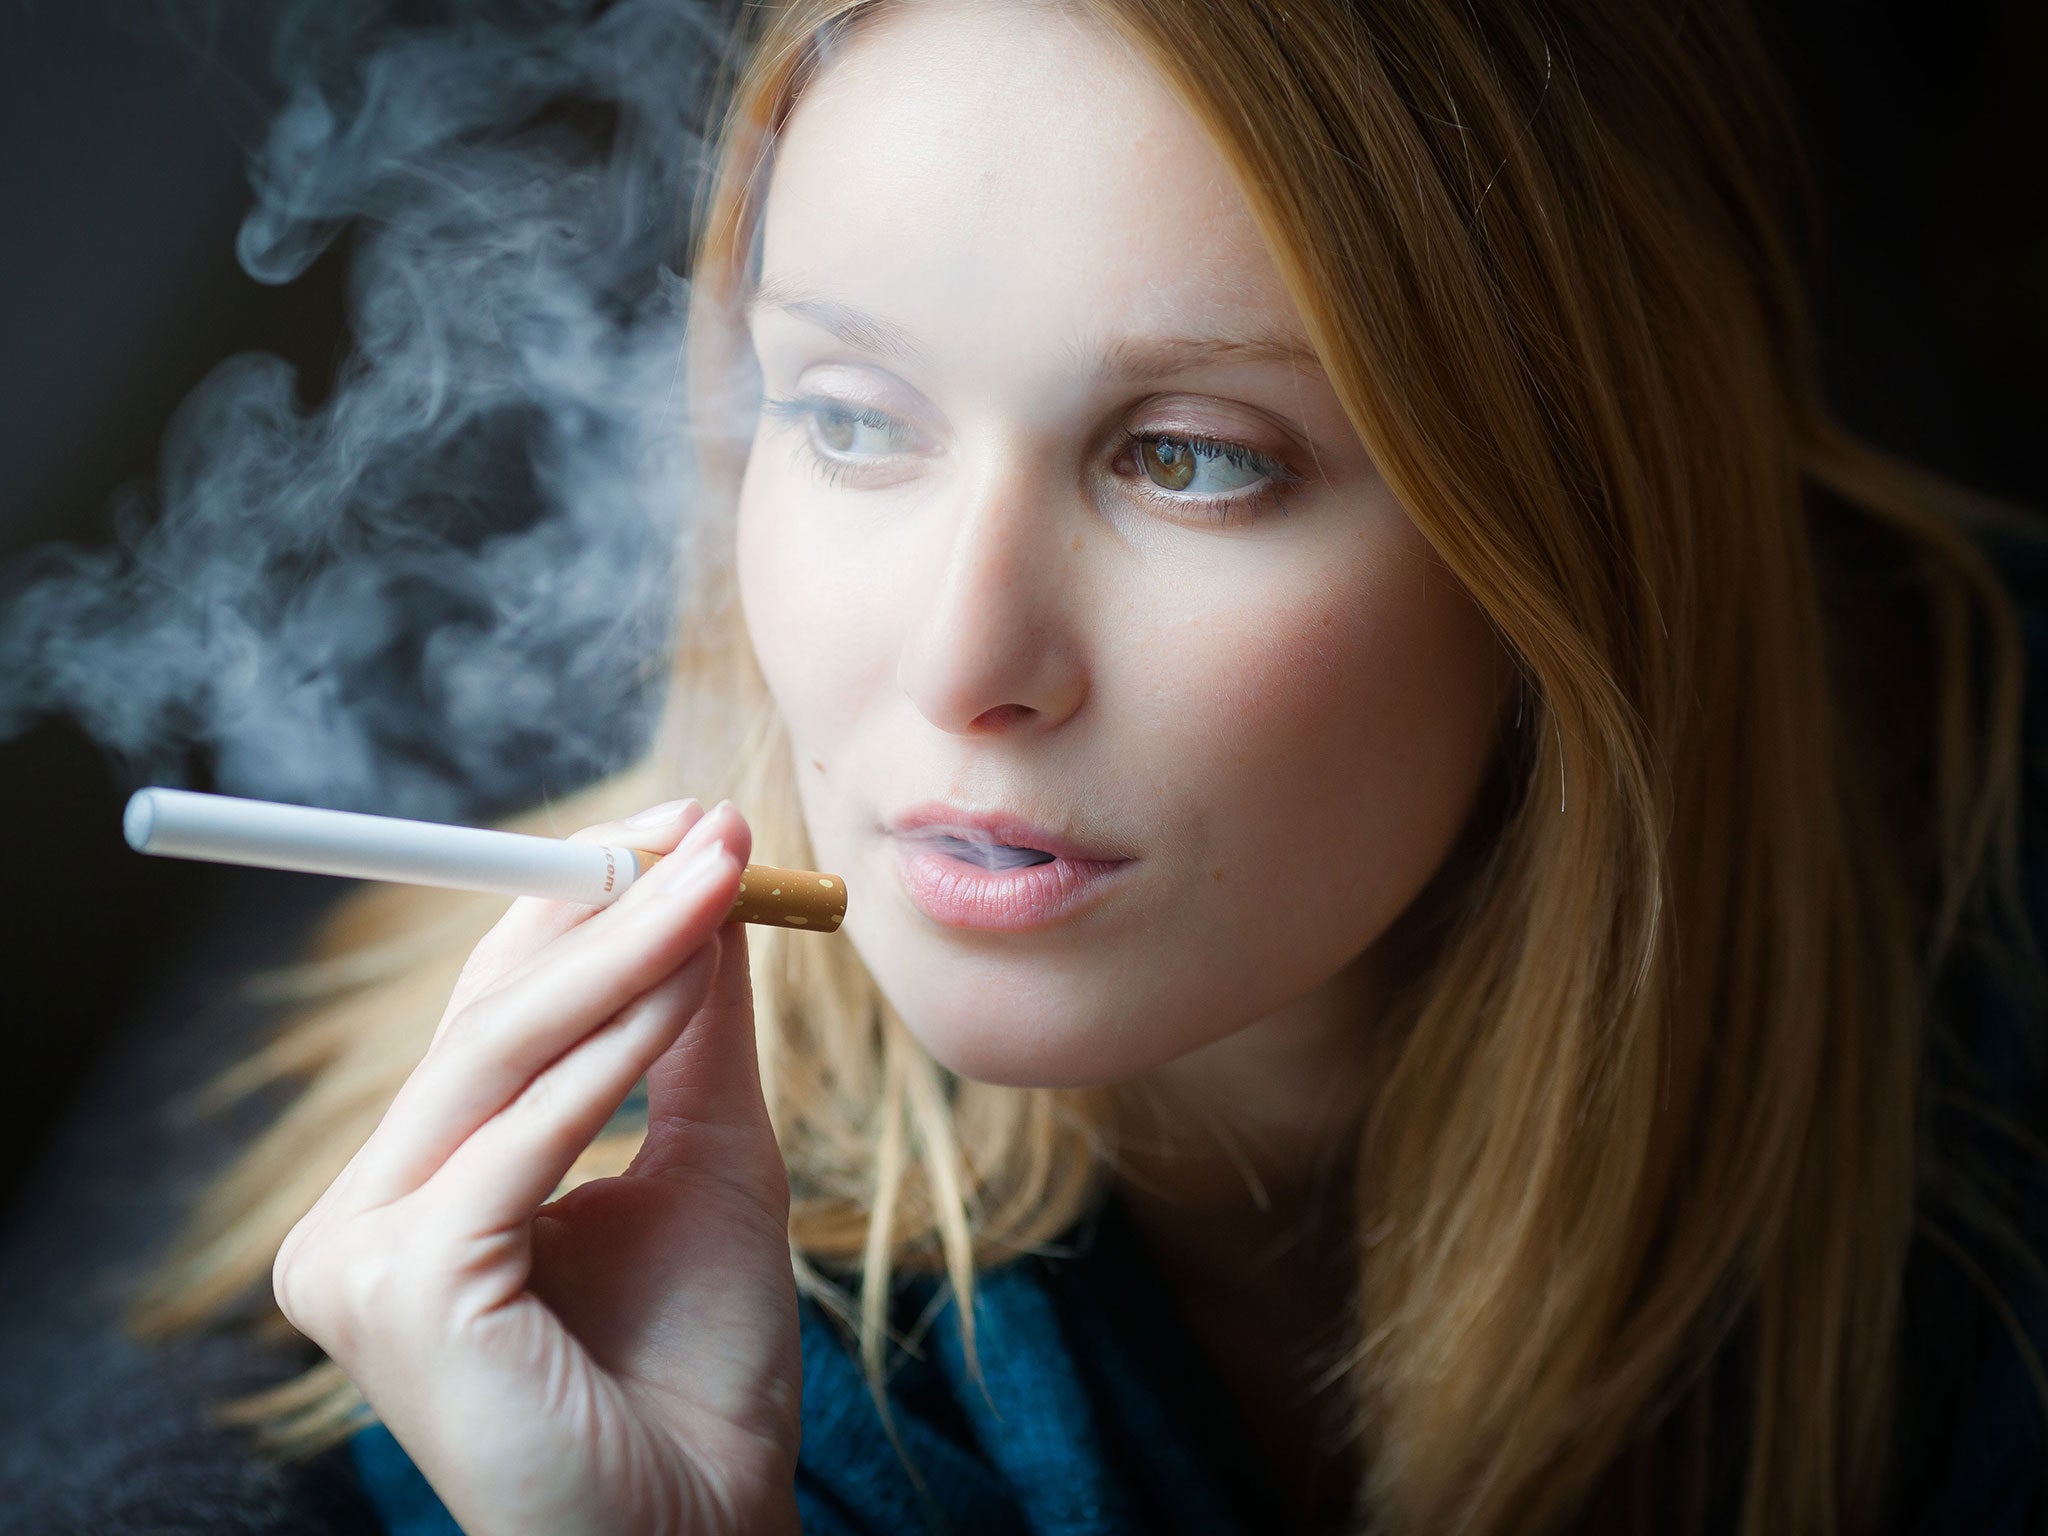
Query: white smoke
449, 584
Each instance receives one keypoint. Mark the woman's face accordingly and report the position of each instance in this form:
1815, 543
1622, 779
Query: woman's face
1052, 516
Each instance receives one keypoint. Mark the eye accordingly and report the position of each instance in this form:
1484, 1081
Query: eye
1177, 463
839, 429
1228, 482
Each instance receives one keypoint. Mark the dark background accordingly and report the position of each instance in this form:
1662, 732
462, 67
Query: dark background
123, 138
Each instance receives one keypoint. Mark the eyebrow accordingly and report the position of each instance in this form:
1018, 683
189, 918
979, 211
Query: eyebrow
1146, 357
1120, 359
855, 327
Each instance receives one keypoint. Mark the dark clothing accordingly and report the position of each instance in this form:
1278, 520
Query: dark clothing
1098, 1417
1101, 1419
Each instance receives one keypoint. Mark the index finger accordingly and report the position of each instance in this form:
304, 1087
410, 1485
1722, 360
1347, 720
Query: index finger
534, 921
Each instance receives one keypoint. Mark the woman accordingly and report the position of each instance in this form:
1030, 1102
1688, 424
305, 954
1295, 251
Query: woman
1291, 557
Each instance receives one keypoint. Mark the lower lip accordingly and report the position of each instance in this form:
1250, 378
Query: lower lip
962, 895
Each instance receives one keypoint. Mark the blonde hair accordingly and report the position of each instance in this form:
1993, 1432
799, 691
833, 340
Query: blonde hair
1652, 1137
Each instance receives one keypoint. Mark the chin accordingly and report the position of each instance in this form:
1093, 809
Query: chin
1013, 1053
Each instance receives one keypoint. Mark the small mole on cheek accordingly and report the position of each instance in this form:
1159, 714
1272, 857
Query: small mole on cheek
817, 765
1076, 545
1215, 874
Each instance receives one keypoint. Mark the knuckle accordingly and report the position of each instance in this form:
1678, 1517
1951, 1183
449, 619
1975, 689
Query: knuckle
372, 1280
493, 954
301, 1280
393, 1285
539, 1100
333, 1290
469, 1018
288, 1288
484, 962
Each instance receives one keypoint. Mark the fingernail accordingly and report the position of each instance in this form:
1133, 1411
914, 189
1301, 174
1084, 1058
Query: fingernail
660, 815
703, 831
695, 870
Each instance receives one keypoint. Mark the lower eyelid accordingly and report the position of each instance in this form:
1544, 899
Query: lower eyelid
1241, 509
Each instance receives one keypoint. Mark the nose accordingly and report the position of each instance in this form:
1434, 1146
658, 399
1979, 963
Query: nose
993, 640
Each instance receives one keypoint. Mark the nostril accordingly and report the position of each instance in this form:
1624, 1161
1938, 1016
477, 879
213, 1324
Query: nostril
1000, 716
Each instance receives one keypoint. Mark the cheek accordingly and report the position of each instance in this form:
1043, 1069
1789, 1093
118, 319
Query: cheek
803, 604
1338, 736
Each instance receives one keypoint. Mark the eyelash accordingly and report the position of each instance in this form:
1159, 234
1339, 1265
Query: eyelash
801, 408
1240, 508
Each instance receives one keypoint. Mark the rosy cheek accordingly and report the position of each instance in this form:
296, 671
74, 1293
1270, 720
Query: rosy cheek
1347, 719
1271, 674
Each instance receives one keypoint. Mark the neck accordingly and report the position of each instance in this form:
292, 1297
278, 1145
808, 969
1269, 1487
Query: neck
1234, 1164
1230, 1157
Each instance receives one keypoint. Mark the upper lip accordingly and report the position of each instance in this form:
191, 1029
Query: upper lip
1000, 826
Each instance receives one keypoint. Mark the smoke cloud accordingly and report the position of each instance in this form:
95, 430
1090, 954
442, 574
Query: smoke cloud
449, 584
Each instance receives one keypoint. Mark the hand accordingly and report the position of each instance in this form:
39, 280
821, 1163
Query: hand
625, 1358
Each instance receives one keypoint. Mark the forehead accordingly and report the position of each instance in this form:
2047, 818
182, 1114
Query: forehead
1003, 164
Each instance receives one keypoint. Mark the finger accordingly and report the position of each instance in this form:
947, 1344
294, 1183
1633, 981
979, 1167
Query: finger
704, 1101
708, 831
707, 1119
534, 921
504, 1037
505, 1170
528, 1017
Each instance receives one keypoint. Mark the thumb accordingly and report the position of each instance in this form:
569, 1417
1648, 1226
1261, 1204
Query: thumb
705, 1111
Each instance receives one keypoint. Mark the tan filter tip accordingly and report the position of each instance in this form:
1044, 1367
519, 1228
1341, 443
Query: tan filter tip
782, 898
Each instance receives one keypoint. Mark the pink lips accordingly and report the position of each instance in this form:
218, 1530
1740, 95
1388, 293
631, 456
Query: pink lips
960, 893
996, 826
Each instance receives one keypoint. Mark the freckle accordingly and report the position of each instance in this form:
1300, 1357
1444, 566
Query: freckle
1076, 545
1215, 874
1326, 621
821, 767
